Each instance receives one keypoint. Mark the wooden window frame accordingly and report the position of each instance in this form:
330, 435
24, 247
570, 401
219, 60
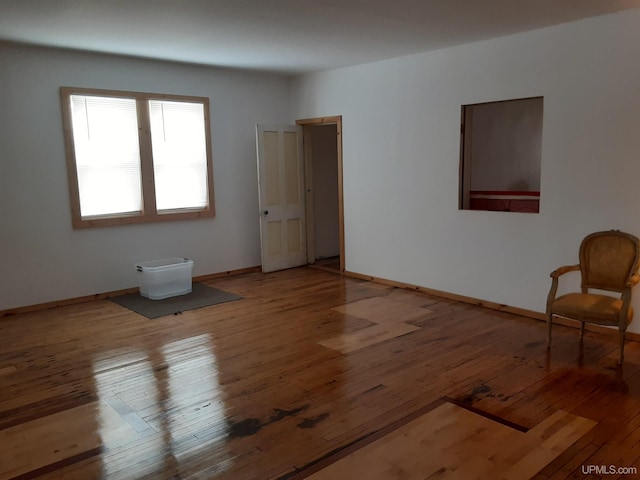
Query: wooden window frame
149, 211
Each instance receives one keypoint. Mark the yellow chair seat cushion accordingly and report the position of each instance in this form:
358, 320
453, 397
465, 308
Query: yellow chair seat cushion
590, 307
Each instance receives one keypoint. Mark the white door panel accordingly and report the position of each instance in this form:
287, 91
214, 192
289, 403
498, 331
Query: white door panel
281, 197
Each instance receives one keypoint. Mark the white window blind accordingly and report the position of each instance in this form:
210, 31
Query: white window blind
107, 155
179, 154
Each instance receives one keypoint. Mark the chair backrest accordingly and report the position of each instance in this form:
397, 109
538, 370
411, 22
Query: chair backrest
608, 260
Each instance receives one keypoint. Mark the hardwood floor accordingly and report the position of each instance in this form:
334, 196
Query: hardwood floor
331, 264
307, 367
453, 442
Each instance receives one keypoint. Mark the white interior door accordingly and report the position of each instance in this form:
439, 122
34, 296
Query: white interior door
281, 197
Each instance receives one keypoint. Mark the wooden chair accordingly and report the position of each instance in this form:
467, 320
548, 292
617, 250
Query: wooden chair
609, 262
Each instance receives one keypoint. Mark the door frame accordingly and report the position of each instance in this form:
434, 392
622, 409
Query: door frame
306, 123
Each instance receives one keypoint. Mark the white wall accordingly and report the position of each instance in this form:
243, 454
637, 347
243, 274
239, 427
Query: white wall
401, 121
42, 258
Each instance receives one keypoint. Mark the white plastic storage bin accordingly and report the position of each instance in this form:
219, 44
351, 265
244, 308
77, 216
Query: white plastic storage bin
165, 278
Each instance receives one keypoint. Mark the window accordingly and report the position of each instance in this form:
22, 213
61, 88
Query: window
136, 157
501, 146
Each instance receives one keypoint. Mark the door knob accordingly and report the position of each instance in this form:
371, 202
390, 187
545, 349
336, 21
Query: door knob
266, 212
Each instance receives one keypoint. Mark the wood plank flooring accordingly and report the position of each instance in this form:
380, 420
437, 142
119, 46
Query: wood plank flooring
389, 319
262, 388
455, 443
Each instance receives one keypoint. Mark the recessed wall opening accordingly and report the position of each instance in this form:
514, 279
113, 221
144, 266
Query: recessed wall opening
500, 150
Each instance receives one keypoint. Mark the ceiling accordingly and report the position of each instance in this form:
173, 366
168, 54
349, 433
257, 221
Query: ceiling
289, 36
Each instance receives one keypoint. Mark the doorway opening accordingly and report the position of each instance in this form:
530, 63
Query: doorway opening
322, 138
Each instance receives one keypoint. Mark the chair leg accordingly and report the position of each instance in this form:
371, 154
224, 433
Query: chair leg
549, 324
581, 331
621, 357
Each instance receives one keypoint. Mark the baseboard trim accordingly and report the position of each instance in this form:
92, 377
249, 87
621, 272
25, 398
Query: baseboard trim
101, 296
451, 296
228, 273
492, 305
